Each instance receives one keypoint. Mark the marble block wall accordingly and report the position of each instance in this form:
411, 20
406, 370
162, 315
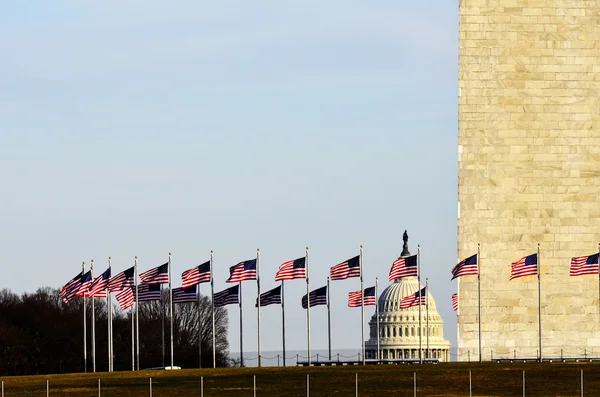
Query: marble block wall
529, 173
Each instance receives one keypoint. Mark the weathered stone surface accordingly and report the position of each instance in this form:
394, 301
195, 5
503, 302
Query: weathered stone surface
529, 172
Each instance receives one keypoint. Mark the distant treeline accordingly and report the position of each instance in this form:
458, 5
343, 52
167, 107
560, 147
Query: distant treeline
39, 334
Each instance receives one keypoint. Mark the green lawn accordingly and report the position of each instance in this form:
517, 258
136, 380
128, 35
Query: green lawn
382, 380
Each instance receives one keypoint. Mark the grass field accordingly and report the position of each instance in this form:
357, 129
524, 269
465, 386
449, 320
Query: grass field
382, 380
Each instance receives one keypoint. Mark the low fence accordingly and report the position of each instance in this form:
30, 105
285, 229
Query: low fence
416, 386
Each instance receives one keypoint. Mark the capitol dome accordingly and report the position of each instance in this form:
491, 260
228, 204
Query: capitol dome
399, 328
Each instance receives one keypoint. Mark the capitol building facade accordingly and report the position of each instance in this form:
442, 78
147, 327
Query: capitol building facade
399, 328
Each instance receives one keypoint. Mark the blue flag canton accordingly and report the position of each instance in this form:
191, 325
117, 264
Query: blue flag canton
149, 287
531, 260
471, 261
354, 262
299, 263
129, 273
249, 265
188, 290
369, 291
87, 277
163, 268
319, 292
410, 261
592, 259
106, 274
204, 268
421, 293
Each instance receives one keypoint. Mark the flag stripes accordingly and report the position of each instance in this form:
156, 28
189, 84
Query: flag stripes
291, 269
157, 275
404, 267
272, 297
196, 275
229, 296
354, 298
581, 265
126, 298
317, 297
416, 299
526, 266
123, 280
99, 285
70, 289
347, 269
455, 302
185, 295
466, 267
148, 292
86, 281
242, 271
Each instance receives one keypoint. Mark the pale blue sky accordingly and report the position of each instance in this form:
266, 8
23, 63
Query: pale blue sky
142, 127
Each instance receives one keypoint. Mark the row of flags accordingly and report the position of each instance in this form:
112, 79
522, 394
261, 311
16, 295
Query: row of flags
151, 281
526, 266
129, 291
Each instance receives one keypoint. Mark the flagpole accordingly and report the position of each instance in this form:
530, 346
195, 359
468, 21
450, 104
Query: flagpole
171, 309
377, 313
420, 297
162, 322
258, 311
109, 325
199, 329
598, 281
212, 299
137, 316
132, 341
308, 306
479, 297
93, 322
241, 330
362, 307
539, 301
84, 326
328, 319
427, 314
283, 320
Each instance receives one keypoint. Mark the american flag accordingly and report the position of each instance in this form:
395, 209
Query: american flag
229, 296
126, 298
196, 275
122, 280
354, 299
185, 295
466, 267
157, 275
416, 299
455, 302
242, 271
148, 292
86, 281
526, 266
347, 269
100, 284
69, 290
581, 265
292, 269
404, 267
272, 297
317, 297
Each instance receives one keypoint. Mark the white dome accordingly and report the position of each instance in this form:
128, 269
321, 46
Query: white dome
389, 300
399, 329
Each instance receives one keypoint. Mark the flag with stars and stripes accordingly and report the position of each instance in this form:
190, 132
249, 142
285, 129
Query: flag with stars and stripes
346, 269
354, 298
